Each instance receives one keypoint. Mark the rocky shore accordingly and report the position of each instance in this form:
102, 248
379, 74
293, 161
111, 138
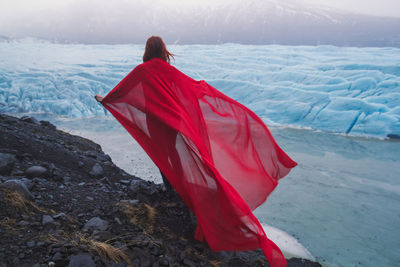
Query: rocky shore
63, 202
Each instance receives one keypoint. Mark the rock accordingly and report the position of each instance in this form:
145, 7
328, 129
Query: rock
97, 170
35, 171
29, 119
47, 124
47, 219
30, 244
81, 260
62, 214
67, 179
18, 186
28, 183
96, 224
297, 262
7, 162
57, 257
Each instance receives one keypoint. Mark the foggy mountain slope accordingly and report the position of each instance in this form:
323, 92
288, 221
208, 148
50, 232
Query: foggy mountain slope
246, 22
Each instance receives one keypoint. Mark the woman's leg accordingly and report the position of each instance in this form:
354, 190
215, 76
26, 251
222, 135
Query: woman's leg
167, 184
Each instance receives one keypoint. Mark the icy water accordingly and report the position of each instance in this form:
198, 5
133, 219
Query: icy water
342, 202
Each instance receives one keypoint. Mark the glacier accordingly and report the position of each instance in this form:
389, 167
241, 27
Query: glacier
345, 90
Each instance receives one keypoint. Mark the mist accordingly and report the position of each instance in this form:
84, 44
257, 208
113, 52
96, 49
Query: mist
197, 22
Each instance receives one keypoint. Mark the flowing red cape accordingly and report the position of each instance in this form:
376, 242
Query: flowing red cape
218, 155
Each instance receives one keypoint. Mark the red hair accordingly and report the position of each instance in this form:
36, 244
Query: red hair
155, 47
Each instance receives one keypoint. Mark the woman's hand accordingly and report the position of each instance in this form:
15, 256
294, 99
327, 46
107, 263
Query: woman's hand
99, 98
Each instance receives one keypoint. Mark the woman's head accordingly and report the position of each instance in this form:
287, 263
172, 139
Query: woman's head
155, 47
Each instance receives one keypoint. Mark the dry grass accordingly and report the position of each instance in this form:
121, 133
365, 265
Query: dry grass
14, 200
216, 263
104, 249
140, 214
10, 224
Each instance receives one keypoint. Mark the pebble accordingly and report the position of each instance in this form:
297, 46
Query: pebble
31, 244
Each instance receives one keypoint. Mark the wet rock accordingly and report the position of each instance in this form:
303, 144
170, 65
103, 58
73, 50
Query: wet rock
96, 224
18, 186
81, 260
7, 162
97, 170
35, 171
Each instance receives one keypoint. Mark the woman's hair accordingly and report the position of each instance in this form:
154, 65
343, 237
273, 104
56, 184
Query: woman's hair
155, 47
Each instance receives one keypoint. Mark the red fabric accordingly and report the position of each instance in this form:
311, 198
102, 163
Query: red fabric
217, 154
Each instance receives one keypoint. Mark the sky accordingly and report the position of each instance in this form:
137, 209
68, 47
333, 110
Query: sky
94, 20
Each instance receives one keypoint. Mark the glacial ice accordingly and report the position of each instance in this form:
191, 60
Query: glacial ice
347, 90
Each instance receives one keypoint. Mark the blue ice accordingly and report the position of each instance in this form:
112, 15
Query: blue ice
354, 91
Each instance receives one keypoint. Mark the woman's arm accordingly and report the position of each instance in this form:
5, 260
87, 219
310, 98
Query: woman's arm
99, 98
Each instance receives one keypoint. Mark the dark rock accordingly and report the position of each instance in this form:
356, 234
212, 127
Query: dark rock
7, 162
29, 119
97, 170
47, 219
297, 262
67, 179
62, 214
30, 244
48, 124
96, 224
57, 257
81, 260
394, 136
18, 186
35, 171
28, 183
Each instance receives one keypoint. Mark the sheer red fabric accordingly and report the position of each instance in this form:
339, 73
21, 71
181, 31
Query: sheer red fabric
217, 154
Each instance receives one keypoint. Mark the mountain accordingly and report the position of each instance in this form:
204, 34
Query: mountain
239, 21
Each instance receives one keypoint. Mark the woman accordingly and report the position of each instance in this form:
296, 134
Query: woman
155, 48
217, 154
